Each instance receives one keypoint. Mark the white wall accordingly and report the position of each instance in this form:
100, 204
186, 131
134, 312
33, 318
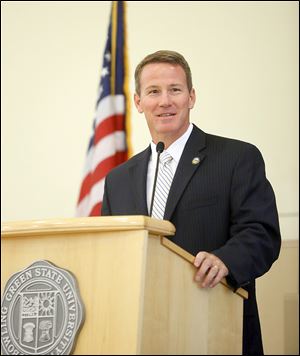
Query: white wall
244, 60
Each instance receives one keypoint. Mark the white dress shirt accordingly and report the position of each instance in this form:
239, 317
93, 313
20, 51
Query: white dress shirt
175, 150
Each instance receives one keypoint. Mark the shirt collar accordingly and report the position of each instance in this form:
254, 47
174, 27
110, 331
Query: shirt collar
177, 147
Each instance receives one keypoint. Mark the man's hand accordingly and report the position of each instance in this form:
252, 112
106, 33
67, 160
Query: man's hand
211, 269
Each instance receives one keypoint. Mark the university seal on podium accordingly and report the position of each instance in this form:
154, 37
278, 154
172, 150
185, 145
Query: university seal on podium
41, 311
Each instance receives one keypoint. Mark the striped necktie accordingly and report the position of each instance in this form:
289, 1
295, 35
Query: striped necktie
163, 184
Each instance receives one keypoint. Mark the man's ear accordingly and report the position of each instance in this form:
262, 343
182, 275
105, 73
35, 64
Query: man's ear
192, 98
137, 102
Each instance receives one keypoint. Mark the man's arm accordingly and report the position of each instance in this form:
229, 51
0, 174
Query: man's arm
255, 240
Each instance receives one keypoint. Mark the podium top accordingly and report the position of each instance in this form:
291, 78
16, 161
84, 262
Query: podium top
101, 224
87, 224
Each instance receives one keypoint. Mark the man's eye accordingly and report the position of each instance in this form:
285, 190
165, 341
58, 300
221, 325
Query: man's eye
175, 89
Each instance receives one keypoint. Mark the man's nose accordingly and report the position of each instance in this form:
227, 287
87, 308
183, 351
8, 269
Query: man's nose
165, 99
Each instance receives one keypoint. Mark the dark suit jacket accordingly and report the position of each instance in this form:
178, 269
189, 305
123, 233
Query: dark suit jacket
224, 205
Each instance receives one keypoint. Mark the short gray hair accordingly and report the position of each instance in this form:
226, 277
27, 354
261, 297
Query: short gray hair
163, 56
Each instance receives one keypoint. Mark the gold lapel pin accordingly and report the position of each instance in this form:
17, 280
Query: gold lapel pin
195, 160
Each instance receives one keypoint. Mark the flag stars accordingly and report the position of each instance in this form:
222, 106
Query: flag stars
100, 91
105, 72
107, 56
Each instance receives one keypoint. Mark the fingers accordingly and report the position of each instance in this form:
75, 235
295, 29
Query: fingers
210, 269
200, 258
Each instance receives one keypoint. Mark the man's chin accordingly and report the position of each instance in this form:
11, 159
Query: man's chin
166, 125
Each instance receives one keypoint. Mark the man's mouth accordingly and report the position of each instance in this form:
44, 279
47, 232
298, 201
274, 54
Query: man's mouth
166, 115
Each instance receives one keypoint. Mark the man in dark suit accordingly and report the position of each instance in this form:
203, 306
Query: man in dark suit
220, 201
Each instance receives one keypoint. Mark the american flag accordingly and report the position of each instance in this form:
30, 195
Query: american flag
108, 146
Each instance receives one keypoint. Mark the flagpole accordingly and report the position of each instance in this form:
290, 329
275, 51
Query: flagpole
114, 24
126, 86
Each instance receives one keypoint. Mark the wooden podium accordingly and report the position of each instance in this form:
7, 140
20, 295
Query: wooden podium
137, 287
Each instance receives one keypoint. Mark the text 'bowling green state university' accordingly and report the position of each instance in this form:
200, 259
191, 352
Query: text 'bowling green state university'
41, 311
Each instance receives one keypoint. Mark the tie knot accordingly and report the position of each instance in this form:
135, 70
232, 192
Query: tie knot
165, 157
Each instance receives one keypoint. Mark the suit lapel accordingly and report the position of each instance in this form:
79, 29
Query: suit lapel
187, 167
138, 179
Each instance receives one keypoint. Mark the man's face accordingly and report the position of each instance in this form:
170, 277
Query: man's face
165, 100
